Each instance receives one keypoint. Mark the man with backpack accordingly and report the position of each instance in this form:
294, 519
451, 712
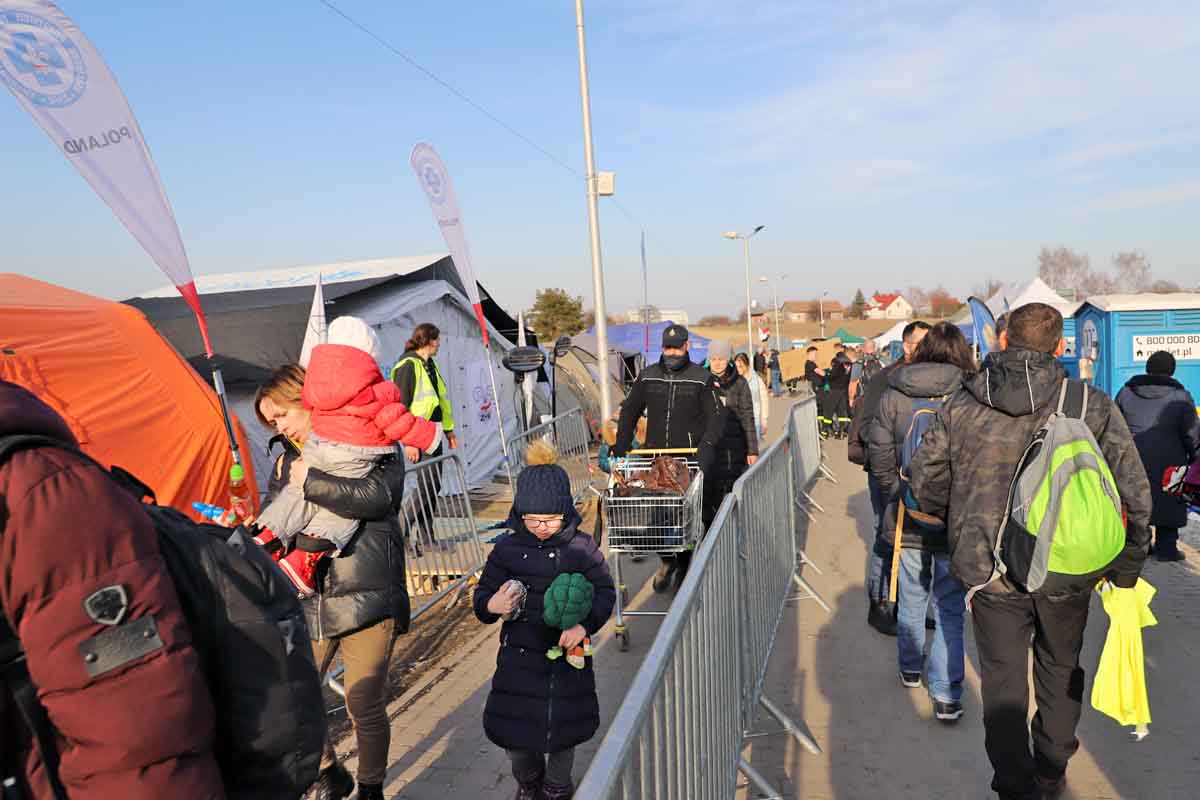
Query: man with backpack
142, 655
1031, 566
881, 614
108, 654
917, 542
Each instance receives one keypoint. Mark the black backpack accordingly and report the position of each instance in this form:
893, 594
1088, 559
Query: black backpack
249, 632
871, 366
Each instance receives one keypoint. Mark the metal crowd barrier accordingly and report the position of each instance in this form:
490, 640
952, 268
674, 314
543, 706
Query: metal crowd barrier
443, 550
679, 732
570, 436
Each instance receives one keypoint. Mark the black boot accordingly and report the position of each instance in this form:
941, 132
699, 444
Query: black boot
881, 616
334, 783
529, 784
370, 791
662, 578
553, 791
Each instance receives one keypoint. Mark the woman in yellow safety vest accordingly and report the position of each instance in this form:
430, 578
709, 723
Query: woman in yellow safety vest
424, 392
421, 386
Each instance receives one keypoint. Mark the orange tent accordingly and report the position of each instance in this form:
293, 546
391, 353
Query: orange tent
129, 397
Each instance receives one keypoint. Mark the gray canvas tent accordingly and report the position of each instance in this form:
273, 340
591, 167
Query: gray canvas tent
577, 378
258, 321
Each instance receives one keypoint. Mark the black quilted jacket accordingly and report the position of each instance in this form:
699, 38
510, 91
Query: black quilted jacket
366, 583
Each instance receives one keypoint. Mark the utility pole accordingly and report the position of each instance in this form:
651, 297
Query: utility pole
589, 158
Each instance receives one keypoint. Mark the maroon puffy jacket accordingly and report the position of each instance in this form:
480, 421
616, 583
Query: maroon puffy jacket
141, 731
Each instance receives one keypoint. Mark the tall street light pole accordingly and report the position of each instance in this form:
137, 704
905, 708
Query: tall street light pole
589, 157
746, 253
821, 311
775, 300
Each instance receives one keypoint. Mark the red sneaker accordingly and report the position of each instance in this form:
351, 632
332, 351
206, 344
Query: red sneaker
301, 567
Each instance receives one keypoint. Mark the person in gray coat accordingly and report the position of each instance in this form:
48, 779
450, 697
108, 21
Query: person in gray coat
1161, 414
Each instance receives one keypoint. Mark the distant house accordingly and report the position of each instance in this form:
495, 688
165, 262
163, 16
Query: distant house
676, 315
810, 310
888, 306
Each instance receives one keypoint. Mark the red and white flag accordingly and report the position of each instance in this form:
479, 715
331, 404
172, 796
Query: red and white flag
60, 79
435, 182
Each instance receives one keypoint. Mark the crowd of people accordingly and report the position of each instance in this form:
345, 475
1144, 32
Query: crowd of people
331, 521
943, 440
949, 445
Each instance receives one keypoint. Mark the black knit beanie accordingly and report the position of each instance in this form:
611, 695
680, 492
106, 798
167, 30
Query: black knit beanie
543, 487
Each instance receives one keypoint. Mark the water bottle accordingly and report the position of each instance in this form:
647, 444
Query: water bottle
217, 514
240, 500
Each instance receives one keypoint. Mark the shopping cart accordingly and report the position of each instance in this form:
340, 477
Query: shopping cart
643, 521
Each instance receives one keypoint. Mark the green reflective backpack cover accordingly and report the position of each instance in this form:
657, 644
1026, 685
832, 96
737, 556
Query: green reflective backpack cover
1063, 526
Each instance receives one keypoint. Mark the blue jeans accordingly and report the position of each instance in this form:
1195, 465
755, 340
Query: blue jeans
776, 382
923, 576
879, 569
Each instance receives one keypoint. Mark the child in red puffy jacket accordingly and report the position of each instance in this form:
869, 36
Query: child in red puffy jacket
357, 418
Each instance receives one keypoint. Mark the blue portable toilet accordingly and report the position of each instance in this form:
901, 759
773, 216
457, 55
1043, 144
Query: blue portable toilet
1116, 333
1070, 356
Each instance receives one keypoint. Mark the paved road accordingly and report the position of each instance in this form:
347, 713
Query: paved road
879, 740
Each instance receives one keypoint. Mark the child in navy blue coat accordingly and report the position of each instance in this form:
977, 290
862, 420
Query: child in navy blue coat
540, 708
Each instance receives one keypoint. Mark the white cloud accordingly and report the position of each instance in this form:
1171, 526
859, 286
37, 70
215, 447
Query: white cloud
975, 94
1106, 151
1141, 197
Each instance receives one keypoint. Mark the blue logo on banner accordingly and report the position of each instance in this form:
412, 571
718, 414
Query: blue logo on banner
433, 181
39, 62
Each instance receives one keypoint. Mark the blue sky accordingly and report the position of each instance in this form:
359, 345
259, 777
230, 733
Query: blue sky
883, 143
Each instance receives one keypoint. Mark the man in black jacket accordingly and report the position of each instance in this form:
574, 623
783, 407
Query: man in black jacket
838, 379
962, 473
1161, 415
881, 614
681, 408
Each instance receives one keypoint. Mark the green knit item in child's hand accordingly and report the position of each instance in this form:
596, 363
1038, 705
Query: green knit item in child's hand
568, 601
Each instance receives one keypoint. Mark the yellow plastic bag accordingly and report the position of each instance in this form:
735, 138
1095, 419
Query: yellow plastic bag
1119, 689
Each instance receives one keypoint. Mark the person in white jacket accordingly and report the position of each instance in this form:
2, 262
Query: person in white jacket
758, 392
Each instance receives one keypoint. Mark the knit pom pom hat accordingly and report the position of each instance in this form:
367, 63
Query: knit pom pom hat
543, 487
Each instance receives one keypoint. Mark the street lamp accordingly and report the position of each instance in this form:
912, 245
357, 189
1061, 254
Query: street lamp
821, 311
746, 252
775, 300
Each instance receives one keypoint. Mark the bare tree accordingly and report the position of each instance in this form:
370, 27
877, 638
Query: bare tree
1066, 271
1132, 271
1164, 287
988, 288
918, 298
942, 304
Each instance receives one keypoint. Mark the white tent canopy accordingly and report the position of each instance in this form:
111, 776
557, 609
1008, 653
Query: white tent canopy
251, 315
892, 334
1035, 290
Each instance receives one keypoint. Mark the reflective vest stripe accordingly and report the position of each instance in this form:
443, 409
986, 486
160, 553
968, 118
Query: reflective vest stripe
425, 398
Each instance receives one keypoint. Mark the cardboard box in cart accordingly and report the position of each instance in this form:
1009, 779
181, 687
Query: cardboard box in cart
791, 363
1116, 333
